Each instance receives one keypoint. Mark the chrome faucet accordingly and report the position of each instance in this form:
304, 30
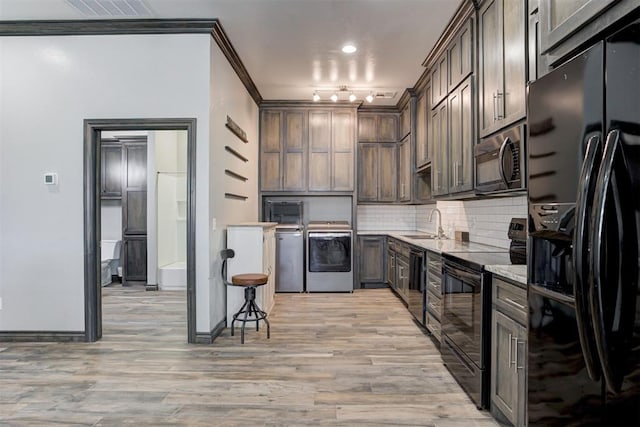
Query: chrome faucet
441, 234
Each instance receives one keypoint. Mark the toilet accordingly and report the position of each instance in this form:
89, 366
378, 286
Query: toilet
110, 260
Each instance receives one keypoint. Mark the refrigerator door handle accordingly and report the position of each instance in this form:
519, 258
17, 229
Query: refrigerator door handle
612, 296
586, 187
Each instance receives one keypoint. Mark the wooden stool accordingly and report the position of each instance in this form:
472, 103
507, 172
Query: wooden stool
250, 281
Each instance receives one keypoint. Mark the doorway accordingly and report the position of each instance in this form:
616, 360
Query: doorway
185, 213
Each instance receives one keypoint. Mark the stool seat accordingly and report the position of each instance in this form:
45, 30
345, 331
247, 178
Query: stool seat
250, 279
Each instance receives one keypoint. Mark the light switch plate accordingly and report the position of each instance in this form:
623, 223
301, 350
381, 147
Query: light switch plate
50, 178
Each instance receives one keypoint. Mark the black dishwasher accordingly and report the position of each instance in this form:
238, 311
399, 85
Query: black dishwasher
417, 289
466, 315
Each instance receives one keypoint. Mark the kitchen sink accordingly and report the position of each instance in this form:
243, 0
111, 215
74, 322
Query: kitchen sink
420, 236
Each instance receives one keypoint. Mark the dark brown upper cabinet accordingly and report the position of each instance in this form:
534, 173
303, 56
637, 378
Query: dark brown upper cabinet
502, 64
377, 127
111, 170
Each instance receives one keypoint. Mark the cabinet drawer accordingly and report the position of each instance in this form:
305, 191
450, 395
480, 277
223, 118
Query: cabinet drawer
434, 304
510, 299
435, 267
434, 286
403, 249
433, 326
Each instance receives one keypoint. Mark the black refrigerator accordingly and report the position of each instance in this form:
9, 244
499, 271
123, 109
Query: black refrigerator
584, 231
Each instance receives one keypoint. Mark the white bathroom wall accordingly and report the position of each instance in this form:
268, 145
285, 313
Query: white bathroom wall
48, 86
111, 219
167, 219
171, 184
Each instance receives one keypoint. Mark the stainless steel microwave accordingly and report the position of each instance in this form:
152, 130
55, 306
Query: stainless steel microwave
500, 162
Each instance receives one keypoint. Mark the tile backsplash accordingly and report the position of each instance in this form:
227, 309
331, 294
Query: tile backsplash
486, 220
386, 217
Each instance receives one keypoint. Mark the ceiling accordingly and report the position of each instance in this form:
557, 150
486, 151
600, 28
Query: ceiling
291, 47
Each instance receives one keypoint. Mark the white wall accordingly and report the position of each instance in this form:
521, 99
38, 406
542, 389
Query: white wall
229, 97
48, 85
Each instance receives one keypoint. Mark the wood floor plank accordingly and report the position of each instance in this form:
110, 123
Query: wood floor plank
333, 359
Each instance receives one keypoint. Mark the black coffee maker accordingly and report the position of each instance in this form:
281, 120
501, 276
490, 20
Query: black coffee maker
518, 235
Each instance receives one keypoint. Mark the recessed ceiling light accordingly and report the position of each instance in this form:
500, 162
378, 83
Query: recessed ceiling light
316, 97
369, 98
349, 48
352, 97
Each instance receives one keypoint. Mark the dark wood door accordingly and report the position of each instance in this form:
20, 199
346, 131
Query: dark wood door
111, 170
134, 211
135, 259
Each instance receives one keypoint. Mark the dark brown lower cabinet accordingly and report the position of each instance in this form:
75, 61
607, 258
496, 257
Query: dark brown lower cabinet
509, 352
372, 257
134, 253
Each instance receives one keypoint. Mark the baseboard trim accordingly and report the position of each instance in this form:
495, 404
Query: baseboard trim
41, 336
208, 338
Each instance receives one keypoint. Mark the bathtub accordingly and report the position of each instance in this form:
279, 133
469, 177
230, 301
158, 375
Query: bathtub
173, 276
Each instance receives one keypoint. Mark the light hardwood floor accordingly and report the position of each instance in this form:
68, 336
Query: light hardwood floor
333, 359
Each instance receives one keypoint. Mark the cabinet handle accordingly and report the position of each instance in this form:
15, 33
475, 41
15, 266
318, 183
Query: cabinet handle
515, 360
512, 302
495, 106
510, 350
518, 342
500, 113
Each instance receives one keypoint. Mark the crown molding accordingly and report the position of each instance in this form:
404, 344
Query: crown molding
465, 11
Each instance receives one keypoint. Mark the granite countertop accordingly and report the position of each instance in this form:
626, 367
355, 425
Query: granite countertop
254, 224
517, 273
438, 246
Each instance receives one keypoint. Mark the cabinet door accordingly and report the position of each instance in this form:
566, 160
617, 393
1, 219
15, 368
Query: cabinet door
367, 128
460, 53
391, 269
387, 128
111, 171
504, 376
422, 152
439, 119
319, 150
512, 98
342, 147
402, 279
271, 150
490, 64
439, 75
134, 257
522, 352
372, 259
294, 160
387, 179
268, 266
461, 137
134, 188
404, 169
368, 172
562, 18
405, 121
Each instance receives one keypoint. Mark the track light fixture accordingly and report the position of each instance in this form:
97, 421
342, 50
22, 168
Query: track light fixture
344, 93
